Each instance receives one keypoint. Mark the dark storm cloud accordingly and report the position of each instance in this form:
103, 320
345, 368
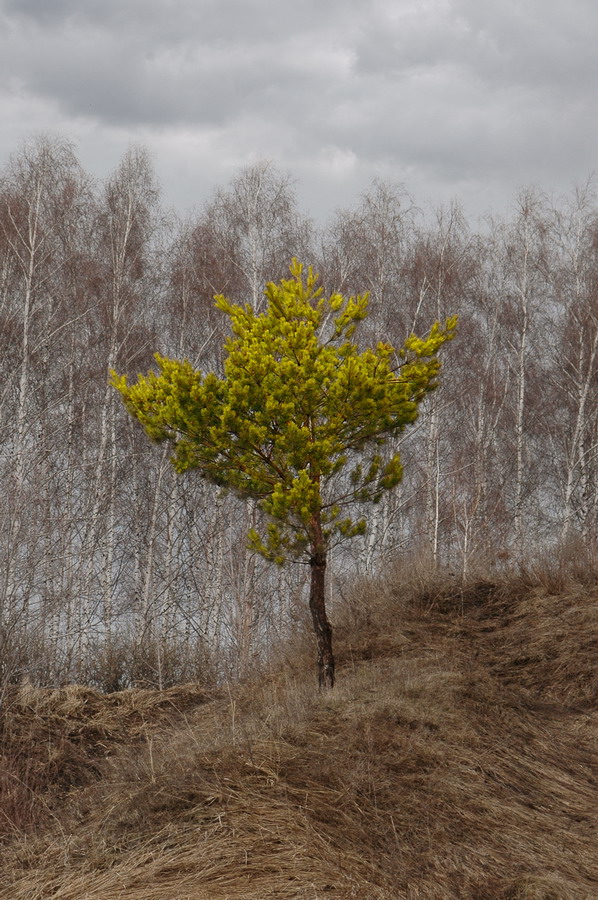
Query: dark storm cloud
442, 92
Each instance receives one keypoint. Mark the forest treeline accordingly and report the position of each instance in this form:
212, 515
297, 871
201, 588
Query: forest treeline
115, 571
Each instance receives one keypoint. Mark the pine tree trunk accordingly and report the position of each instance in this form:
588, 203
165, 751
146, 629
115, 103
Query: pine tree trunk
322, 627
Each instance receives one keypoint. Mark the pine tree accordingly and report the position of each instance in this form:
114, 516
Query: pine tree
299, 422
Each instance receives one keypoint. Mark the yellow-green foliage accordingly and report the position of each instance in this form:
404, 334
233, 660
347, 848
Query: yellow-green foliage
297, 405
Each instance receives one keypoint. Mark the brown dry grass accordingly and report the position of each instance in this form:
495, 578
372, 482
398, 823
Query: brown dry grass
455, 759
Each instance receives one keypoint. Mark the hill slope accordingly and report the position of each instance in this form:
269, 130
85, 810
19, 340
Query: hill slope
455, 759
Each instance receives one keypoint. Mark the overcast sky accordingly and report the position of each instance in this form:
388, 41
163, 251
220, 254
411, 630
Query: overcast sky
471, 99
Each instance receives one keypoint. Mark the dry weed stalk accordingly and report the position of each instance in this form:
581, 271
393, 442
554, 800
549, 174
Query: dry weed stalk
455, 761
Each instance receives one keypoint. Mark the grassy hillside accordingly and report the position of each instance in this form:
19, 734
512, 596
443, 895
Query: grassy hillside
457, 758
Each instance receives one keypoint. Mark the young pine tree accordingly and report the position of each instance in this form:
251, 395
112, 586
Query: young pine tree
299, 422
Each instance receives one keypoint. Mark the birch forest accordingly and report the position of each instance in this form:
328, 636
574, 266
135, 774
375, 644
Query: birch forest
116, 572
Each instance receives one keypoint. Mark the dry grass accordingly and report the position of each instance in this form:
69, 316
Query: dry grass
456, 759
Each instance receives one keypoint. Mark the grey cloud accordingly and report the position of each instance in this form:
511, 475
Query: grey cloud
222, 21
450, 92
51, 13
184, 75
394, 44
542, 43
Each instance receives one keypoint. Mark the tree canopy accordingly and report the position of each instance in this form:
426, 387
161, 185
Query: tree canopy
300, 421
